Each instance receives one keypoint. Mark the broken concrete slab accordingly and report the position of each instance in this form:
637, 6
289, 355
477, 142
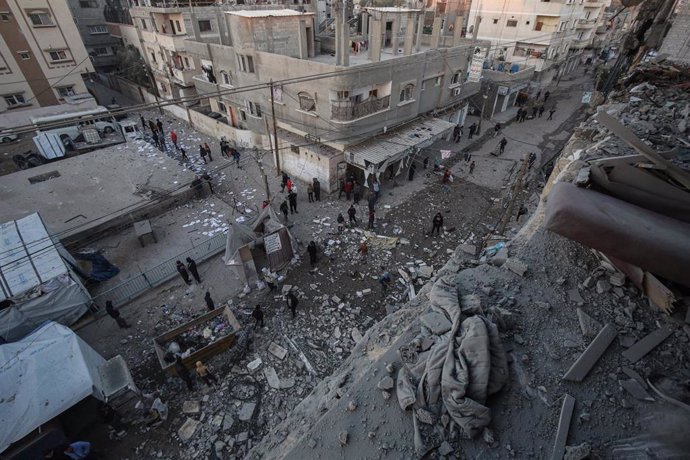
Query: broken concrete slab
217, 420
588, 325
356, 335
516, 266
227, 423
500, 257
471, 303
386, 383
563, 427
287, 383
436, 322
272, 377
191, 407
254, 365
579, 452
633, 387
468, 249
634, 375
286, 288
188, 429
647, 344
425, 272
574, 295
617, 279
581, 367
277, 351
246, 411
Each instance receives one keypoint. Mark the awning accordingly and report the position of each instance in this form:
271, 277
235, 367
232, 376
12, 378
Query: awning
388, 148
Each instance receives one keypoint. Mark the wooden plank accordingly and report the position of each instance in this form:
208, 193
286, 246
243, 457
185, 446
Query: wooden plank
581, 367
647, 344
563, 427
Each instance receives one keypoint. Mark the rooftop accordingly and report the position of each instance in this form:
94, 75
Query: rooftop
267, 13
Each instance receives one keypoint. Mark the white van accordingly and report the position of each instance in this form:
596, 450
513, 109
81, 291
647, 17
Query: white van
131, 129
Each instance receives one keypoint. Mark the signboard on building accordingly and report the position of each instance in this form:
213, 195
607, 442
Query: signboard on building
272, 243
475, 73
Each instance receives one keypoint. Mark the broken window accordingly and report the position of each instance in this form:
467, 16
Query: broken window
306, 102
456, 79
407, 92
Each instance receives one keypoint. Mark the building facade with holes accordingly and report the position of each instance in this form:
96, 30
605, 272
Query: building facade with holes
101, 46
42, 57
549, 36
342, 103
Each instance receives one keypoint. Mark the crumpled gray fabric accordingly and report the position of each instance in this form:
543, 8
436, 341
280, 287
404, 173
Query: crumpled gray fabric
405, 389
465, 366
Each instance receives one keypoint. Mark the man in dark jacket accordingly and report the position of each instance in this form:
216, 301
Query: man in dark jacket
258, 315
502, 145
209, 302
291, 300
438, 223
352, 213
114, 314
292, 196
191, 266
183, 373
311, 249
317, 189
182, 271
284, 209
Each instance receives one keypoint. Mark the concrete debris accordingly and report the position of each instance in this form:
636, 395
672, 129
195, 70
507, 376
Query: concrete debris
603, 286
425, 416
386, 395
351, 406
633, 387
468, 249
386, 383
272, 378
254, 365
445, 448
647, 344
356, 335
588, 325
617, 279
575, 296
246, 411
563, 427
188, 429
516, 266
287, 383
579, 452
390, 368
191, 407
277, 351
437, 323
634, 375
343, 438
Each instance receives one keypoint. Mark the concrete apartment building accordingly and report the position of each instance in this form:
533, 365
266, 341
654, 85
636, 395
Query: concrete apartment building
42, 57
549, 36
101, 46
677, 42
369, 117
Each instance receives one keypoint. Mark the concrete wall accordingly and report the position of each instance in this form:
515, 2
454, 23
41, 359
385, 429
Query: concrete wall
311, 162
677, 41
87, 17
277, 35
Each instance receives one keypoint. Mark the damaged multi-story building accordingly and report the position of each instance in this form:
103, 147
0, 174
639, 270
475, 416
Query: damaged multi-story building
365, 98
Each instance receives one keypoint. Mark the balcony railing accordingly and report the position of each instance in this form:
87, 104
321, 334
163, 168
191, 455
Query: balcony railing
346, 110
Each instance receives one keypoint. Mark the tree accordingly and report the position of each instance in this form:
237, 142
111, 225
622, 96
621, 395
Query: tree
131, 66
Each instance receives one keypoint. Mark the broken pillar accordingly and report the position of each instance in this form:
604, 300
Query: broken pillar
436, 32
409, 35
395, 34
375, 37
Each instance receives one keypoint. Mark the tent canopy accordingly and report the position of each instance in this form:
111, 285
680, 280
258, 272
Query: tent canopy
29, 371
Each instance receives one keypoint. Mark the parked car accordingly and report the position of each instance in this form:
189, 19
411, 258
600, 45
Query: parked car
7, 138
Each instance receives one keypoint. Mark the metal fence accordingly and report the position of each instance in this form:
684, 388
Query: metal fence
157, 275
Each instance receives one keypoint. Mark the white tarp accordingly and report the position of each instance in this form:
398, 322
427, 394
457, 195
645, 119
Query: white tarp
42, 376
28, 256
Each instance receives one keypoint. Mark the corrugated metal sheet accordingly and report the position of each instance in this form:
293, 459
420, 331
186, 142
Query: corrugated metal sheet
398, 143
28, 256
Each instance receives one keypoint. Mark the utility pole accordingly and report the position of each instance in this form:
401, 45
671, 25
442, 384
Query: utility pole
275, 133
263, 173
481, 116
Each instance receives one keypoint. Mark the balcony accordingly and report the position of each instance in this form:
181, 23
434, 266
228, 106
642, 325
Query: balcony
586, 23
601, 30
183, 77
593, 4
347, 110
203, 86
580, 44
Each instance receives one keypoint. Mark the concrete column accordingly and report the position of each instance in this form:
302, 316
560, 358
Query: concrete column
338, 23
395, 34
409, 35
375, 41
345, 33
302, 42
420, 29
365, 24
457, 31
436, 32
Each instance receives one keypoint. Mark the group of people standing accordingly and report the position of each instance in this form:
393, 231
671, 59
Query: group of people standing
290, 204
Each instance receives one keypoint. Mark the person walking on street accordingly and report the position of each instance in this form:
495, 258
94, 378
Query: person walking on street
425, 163
270, 281
456, 134
410, 173
341, 222
535, 109
341, 188
310, 193
143, 122
546, 96
191, 266
538, 94
283, 182
356, 193
224, 148
292, 197
159, 125
437, 223
552, 110
472, 167
152, 127
363, 251
183, 154
258, 316
236, 156
348, 189
446, 177
473, 128
502, 146
518, 116
541, 110
209, 302
114, 314
183, 272
385, 281
311, 249
205, 375
208, 151
289, 185
497, 128
376, 187
284, 209
183, 373
317, 189
370, 225
352, 213
291, 300
202, 152
173, 138
207, 178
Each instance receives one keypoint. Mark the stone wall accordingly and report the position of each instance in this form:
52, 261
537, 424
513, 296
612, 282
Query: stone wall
677, 41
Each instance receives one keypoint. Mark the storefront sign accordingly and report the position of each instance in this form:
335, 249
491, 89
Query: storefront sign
272, 243
475, 73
